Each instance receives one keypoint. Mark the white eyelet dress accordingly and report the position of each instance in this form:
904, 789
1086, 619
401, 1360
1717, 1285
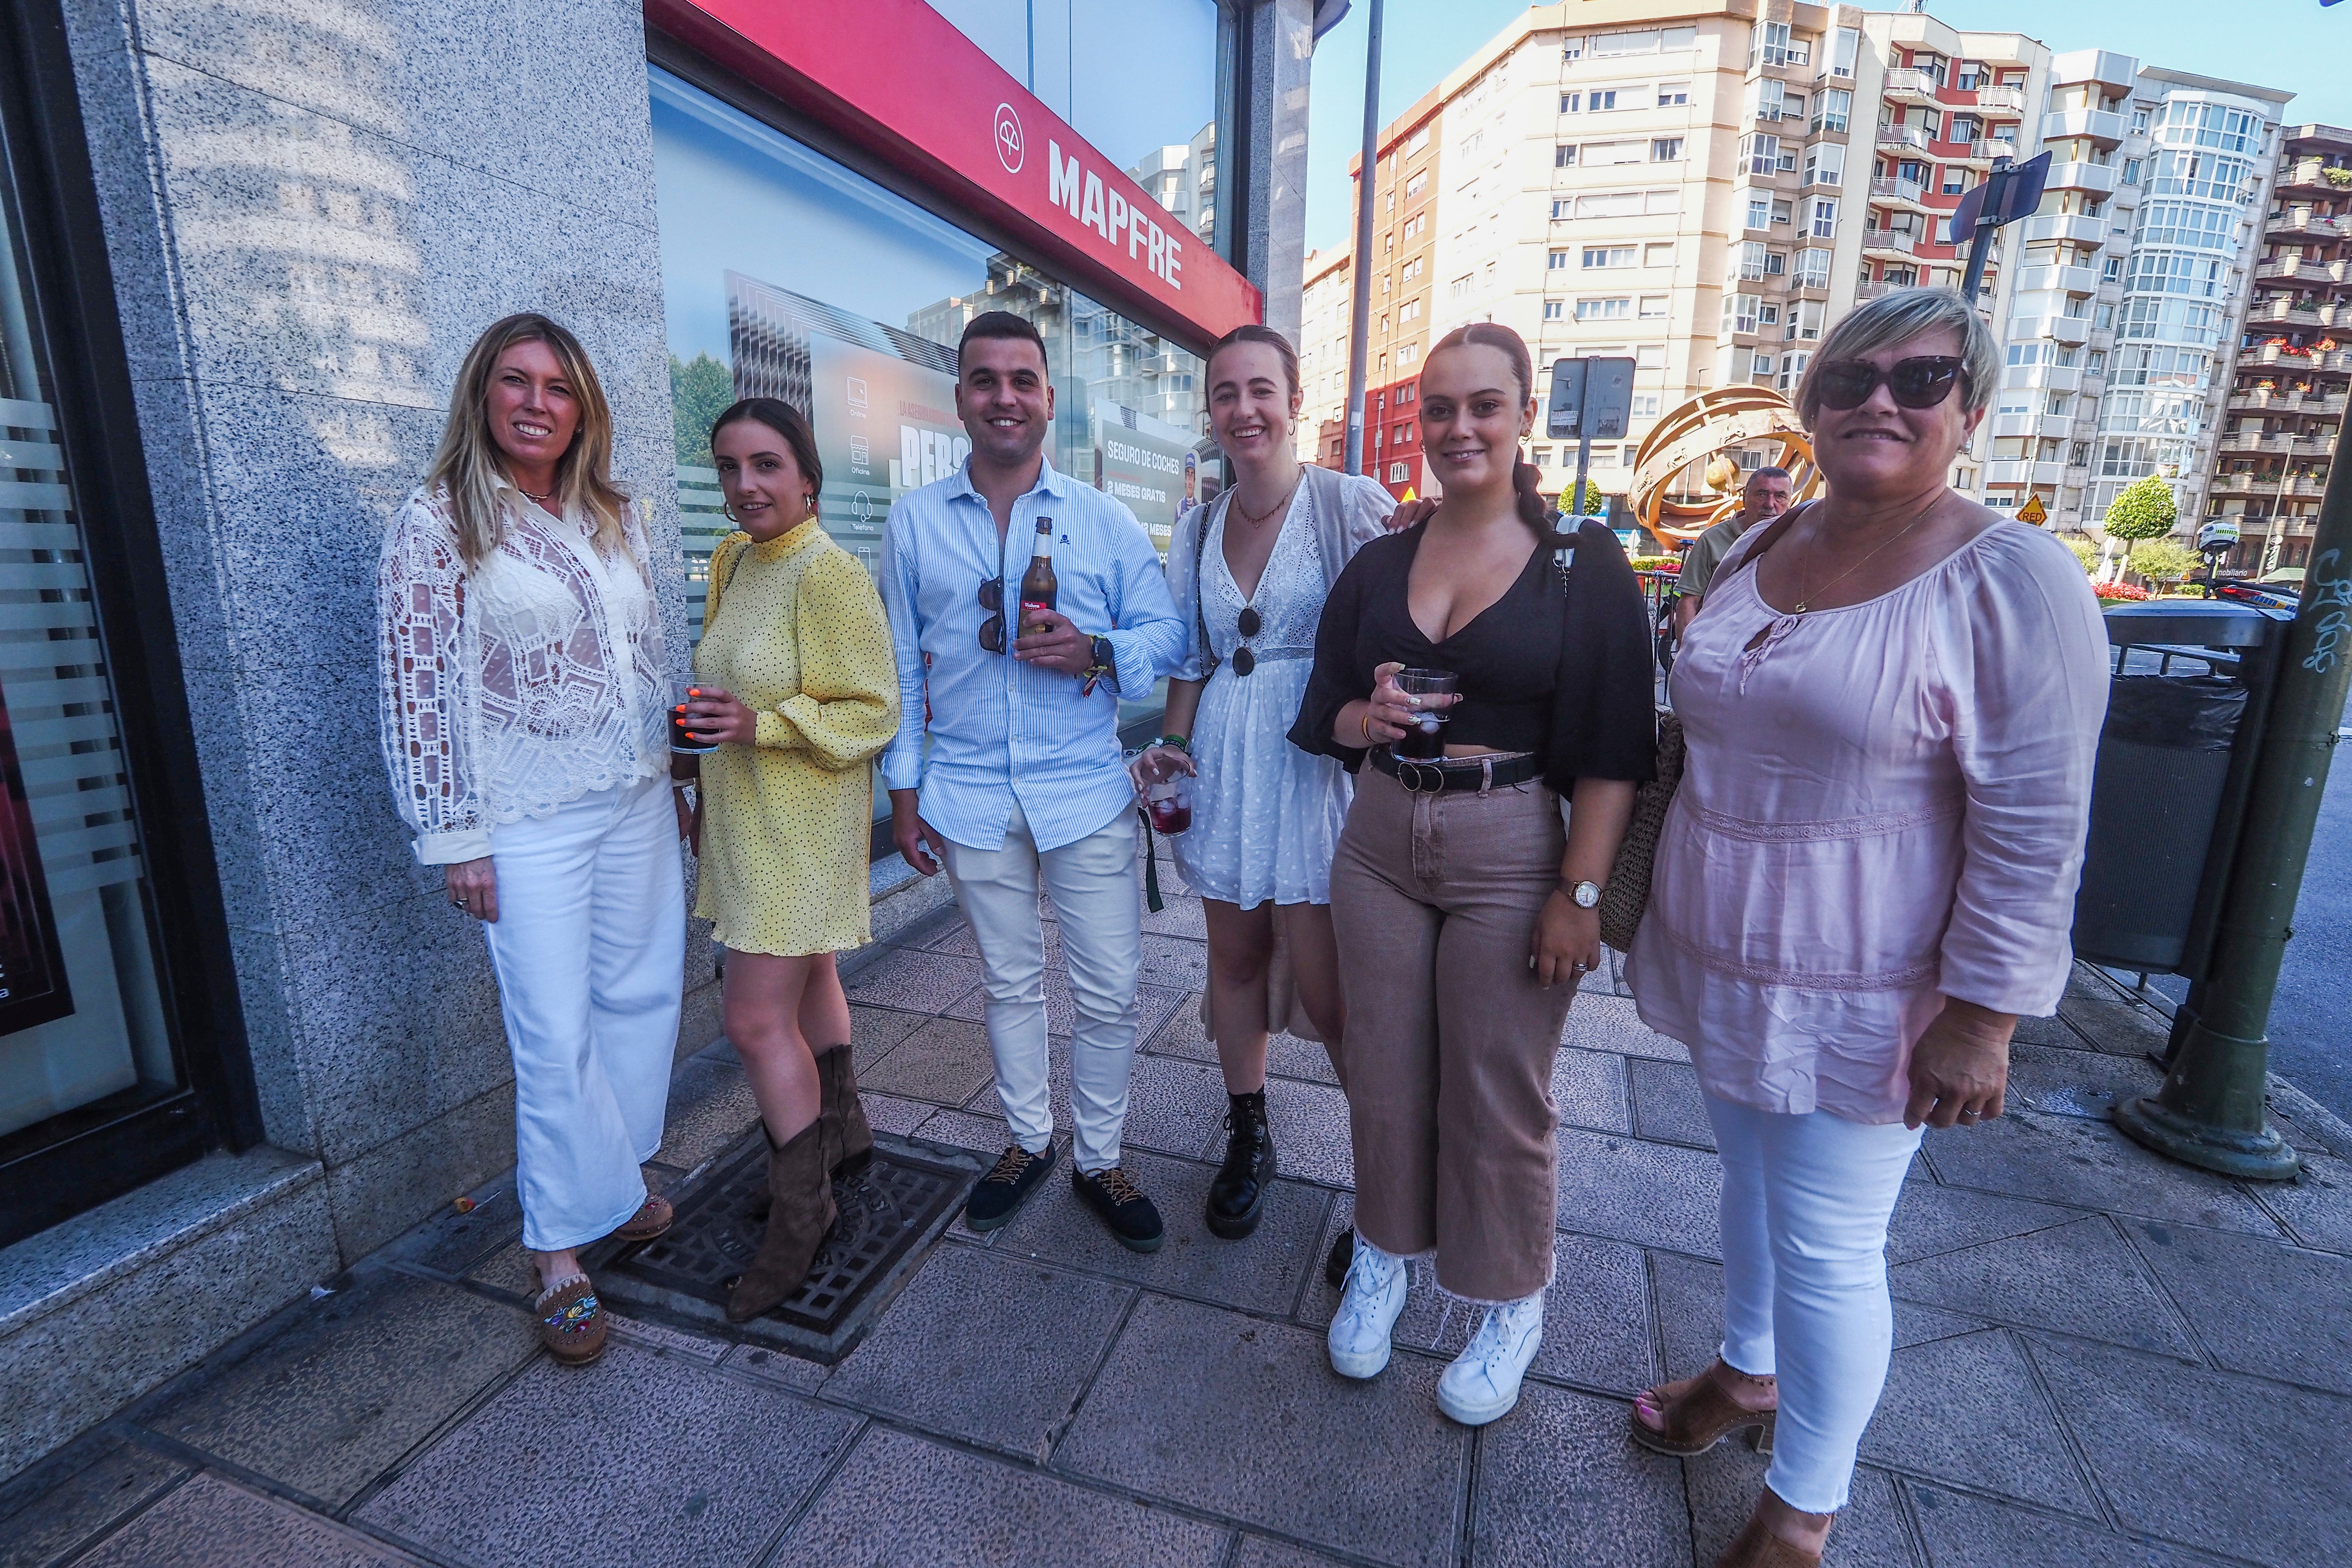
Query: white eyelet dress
1266, 816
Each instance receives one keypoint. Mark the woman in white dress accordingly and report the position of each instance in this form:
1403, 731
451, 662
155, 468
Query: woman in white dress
1249, 573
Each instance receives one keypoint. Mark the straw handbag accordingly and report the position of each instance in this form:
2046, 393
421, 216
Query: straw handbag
1628, 893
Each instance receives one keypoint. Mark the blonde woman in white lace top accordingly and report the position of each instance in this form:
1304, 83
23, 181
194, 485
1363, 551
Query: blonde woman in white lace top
524, 689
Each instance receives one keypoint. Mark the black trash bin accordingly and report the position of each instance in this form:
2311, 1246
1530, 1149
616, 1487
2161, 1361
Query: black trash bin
2191, 685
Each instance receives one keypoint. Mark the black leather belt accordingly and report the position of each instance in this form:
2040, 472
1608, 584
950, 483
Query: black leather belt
1453, 774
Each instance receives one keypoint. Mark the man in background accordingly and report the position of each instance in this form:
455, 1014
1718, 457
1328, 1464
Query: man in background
1765, 497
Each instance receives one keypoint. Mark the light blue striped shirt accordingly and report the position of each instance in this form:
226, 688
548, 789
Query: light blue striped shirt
1001, 729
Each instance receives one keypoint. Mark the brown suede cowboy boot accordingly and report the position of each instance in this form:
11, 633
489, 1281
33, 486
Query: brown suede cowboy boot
850, 1138
800, 1213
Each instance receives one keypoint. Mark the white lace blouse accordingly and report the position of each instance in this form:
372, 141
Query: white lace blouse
510, 691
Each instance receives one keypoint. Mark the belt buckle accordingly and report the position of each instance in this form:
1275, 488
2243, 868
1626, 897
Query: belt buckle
1412, 780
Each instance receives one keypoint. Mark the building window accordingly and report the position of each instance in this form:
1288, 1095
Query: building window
1825, 218
1955, 181
1653, 307
1417, 183
1562, 207
2131, 171
1600, 99
1552, 311
1569, 102
1557, 262
1759, 213
1813, 269
1672, 94
1825, 163
1599, 256
1832, 106
1563, 157
1399, 473
1666, 150
1615, 309
1645, 405
1739, 312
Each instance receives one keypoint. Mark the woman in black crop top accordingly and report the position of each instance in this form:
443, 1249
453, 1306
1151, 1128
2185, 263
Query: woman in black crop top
1465, 914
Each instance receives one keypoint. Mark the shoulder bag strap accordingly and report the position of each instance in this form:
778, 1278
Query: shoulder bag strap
1210, 513
1770, 536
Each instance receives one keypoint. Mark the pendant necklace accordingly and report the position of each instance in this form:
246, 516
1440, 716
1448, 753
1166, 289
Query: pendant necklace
1256, 522
1806, 603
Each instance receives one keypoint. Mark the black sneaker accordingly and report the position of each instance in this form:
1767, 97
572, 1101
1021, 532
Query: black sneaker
1133, 1222
1001, 1191
1342, 1255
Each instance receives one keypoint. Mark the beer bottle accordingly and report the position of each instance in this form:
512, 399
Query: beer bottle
1037, 584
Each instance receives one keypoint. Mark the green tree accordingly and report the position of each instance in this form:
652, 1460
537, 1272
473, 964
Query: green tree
2164, 560
699, 391
2143, 510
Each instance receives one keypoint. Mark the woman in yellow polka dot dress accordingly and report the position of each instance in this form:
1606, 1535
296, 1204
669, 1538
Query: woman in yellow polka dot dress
796, 682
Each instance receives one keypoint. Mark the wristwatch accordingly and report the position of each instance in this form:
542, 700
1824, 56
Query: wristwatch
1105, 663
1584, 895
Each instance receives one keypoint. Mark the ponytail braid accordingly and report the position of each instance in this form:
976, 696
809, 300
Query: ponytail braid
1534, 511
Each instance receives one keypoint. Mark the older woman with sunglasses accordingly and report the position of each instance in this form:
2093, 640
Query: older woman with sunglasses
1892, 697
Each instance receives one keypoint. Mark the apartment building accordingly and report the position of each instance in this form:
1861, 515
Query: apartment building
2131, 286
2286, 401
1700, 185
1324, 300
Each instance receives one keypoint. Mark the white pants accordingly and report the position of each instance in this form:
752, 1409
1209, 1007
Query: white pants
1805, 1205
1093, 885
590, 950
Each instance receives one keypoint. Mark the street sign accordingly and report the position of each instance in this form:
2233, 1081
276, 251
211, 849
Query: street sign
2033, 511
2019, 193
1567, 398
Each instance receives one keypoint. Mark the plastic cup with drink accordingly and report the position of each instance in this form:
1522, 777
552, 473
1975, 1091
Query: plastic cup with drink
683, 741
1170, 804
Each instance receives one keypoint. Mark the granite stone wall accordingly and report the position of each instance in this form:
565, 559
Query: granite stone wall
312, 209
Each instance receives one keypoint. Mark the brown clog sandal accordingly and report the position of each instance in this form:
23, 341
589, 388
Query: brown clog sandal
648, 1222
1698, 1418
570, 1323
1756, 1547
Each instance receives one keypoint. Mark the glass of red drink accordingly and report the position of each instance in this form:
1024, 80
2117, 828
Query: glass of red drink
1170, 804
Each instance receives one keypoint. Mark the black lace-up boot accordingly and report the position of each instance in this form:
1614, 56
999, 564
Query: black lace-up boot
1237, 1197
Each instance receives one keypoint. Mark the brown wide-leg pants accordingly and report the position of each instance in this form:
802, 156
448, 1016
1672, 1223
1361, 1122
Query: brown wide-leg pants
1450, 1041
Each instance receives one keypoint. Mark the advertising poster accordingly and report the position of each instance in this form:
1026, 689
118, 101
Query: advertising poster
1143, 461
32, 967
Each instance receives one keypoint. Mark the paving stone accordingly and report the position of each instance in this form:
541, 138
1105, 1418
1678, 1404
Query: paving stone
2067, 1160
1176, 1107
2077, 1278
2076, 1082
1153, 1004
908, 1503
1275, 1439
2258, 1306
1174, 965
2213, 1460
2115, 1027
1589, 1087
1726, 1481
889, 1113
211, 1524
1930, 1219
1917, 1325
1287, 1056
54, 1507
2053, 1031
1311, 1139
1599, 1023
993, 1350
1184, 915
509, 1269
662, 1337
1257, 1552
1964, 1532
874, 1030
1690, 1313
348, 1385
1259, 1273
946, 1060
914, 982
1596, 1315
1559, 1484
1967, 1411
1653, 1193
2317, 1204
1666, 1103
966, 1129
710, 1106
642, 1461
775, 1366
450, 1243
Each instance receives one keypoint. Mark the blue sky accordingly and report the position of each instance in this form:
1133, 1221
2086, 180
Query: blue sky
2289, 44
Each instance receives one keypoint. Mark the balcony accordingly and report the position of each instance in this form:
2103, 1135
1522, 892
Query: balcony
2098, 178
1910, 86
2055, 377
1980, 153
2279, 311
2303, 223
2071, 226
2057, 427
1889, 243
2001, 99
2067, 279
2312, 175
1897, 192
1903, 138
2301, 272
2100, 126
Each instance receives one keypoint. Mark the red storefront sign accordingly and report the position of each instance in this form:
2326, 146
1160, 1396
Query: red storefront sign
897, 79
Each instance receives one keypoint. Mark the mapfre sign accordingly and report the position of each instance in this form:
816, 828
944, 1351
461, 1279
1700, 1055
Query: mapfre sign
897, 79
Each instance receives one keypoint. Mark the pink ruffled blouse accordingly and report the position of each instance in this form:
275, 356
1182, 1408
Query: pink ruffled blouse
1883, 805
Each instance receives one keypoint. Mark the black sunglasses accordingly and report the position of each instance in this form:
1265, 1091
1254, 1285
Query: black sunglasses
1248, 625
1920, 383
991, 630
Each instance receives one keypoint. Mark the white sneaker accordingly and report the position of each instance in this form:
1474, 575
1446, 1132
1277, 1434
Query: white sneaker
1484, 1380
1369, 1306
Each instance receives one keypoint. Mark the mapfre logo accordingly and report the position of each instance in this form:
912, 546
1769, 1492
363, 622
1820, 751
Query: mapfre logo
1011, 149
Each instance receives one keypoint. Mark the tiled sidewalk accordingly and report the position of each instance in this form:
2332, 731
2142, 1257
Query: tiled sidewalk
2103, 1359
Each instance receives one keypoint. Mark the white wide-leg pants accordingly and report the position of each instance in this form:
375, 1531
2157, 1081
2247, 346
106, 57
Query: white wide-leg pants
1805, 1205
590, 950
1092, 884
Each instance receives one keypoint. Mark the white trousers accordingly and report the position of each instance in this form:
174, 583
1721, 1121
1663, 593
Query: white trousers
590, 950
1805, 1205
1092, 884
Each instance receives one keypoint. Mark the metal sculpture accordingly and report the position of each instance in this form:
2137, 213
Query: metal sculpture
1706, 427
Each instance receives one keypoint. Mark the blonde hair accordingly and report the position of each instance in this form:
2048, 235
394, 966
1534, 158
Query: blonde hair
470, 469
1897, 318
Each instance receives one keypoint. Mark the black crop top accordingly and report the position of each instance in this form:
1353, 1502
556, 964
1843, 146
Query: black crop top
1564, 672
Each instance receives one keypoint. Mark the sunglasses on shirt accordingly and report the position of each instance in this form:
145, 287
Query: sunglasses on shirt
1920, 383
991, 630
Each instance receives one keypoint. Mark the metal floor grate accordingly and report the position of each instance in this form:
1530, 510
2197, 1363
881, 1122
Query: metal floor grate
891, 1212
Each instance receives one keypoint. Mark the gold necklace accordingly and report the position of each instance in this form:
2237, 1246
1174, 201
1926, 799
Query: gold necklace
1806, 603
1260, 522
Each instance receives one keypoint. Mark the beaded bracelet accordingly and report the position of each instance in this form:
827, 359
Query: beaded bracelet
1179, 742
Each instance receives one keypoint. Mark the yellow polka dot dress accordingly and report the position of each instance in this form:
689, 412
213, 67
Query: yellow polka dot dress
795, 630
